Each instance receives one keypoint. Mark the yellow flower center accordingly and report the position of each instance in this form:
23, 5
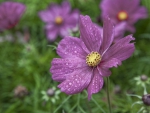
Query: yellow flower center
122, 15
58, 20
93, 59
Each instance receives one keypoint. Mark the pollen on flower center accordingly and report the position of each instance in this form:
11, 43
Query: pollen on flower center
122, 15
93, 59
58, 20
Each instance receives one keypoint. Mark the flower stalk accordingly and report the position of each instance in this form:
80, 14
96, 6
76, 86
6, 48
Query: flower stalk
107, 90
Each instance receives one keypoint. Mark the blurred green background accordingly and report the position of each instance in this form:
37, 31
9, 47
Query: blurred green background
26, 64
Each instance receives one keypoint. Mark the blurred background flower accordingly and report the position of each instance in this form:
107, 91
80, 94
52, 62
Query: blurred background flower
59, 20
128, 11
51, 95
20, 91
10, 14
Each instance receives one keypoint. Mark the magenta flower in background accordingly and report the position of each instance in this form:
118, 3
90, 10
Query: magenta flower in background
86, 60
59, 20
129, 11
10, 14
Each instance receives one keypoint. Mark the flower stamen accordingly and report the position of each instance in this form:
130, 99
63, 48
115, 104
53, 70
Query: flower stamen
58, 20
93, 59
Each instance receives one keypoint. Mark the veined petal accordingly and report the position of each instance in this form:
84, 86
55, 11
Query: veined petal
66, 7
103, 71
113, 62
90, 33
64, 31
109, 7
52, 32
46, 16
16, 8
72, 19
120, 30
64, 67
71, 47
55, 9
121, 50
76, 81
96, 84
108, 35
141, 13
134, 3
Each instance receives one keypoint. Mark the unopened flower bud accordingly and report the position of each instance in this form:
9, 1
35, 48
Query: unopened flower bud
144, 77
146, 99
20, 91
50, 92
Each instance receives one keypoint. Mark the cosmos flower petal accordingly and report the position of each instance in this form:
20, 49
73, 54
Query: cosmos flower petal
46, 16
121, 50
64, 67
73, 19
134, 3
77, 81
103, 71
54, 9
120, 30
107, 6
139, 14
51, 32
66, 7
124, 4
21, 9
16, 7
64, 31
96, 84
10, 14
113, 62
108, 34
71, 47
90, 33
130, 28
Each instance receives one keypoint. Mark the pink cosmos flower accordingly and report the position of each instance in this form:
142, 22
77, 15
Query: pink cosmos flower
59, 20
10, 14
129, 11
86, 60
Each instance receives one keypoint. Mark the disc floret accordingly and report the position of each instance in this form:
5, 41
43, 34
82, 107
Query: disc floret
93, 59
58, 20
122, 15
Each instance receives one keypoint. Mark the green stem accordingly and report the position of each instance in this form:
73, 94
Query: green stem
62, 104
108, 98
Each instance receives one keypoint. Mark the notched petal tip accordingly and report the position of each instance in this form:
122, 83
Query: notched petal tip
129, 38
83, 18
